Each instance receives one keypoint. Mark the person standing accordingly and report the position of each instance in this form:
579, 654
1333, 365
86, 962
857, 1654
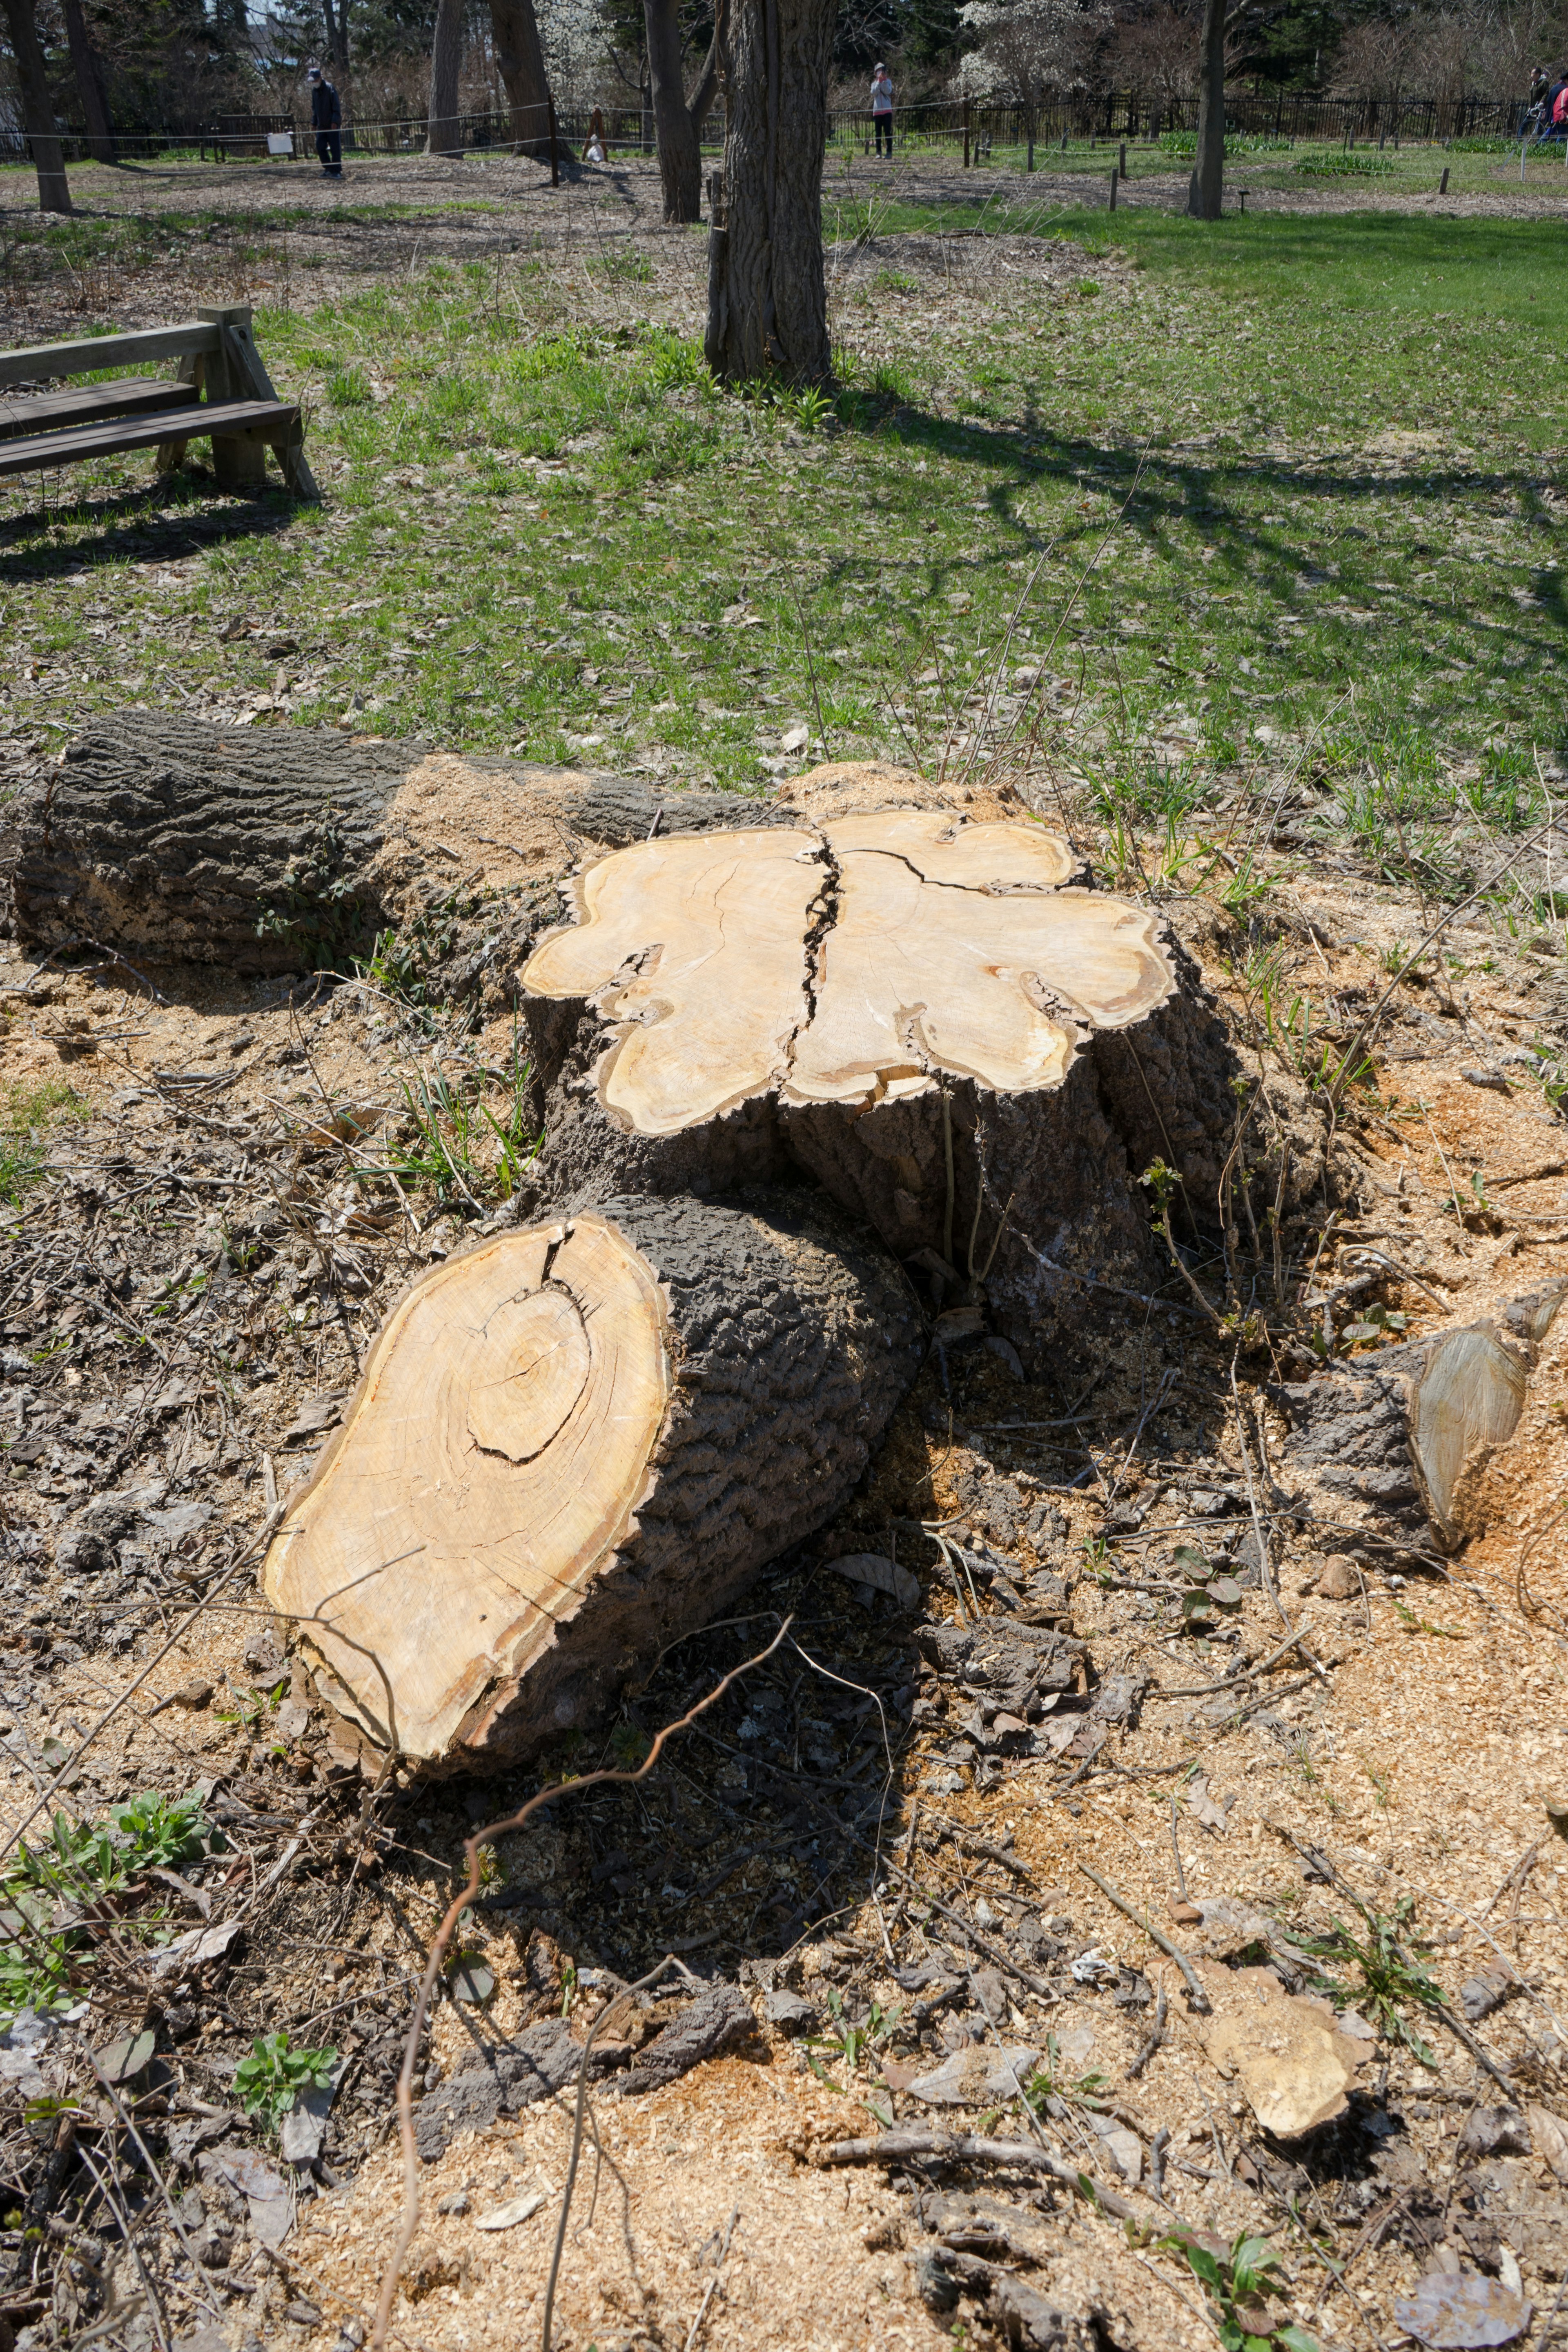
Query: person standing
882, 108
326, 122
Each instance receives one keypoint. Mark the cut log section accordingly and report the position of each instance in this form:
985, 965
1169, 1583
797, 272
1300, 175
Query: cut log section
933, 1017
1405, 1429
270, 849
575, 1442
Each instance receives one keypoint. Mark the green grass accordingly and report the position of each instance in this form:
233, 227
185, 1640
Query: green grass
26, 1117
1286, 499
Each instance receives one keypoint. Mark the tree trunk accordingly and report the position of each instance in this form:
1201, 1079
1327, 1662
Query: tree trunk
678, 122
520, 57
37, 110
930, 1017
89, 69
767, 305
445, 134
1205, 193
337, 24
280, 848
621, 1418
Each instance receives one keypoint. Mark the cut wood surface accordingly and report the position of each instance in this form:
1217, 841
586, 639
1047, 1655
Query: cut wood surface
574, 1442
925, 1013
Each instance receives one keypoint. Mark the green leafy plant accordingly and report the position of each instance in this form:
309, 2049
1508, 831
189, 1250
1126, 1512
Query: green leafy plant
1375, 1325
1390, 1963
274, 2076
159, 1832
1238, 2281
851, 2045
1050, 2080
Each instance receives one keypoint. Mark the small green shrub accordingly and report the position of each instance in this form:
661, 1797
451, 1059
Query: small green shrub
274, 2076
1345, 167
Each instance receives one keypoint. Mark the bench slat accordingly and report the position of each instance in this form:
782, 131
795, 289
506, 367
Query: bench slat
132, 396
107, 351
223, 418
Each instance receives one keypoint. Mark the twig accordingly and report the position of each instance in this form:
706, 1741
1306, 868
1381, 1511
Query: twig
898, 2147
1265, 1569
486, 1835
1156, 2032
1200, 1999
723, 2254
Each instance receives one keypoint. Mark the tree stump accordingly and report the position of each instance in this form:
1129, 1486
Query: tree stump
935, 1019
575, 1442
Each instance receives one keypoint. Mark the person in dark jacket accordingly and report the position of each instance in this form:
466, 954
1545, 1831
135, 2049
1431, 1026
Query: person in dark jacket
326, 122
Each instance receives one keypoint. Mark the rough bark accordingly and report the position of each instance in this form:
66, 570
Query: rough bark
767, 312
445, 132
1405, 1430
932, 1019
1206, 192
88, 67
621, 1418
38, 108
282, 849
520, 57
677, 120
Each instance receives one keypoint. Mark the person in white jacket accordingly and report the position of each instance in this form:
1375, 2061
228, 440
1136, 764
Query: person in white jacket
882, 108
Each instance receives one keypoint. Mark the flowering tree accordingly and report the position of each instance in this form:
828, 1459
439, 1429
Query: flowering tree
1028, 52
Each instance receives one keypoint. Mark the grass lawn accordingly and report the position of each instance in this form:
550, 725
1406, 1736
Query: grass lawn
1274, 505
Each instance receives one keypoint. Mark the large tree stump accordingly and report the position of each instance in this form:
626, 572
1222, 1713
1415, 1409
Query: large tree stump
575, 1442
935, 1018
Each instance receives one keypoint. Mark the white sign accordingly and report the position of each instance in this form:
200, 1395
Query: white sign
280, 143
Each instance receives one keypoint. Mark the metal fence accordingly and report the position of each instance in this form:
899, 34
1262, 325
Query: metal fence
961, 128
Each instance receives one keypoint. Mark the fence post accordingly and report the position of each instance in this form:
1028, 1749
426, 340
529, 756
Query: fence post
555, 151
966, 135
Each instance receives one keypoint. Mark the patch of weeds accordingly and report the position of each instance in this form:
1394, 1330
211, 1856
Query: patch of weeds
1376, 1326
1345, 167
853, 2045
51, 1895
26, 1117
1389, 1963
349, 387
1050, 2080
1239, 2280
274, 2076
443, 1148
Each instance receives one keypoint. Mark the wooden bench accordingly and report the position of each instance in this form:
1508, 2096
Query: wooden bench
219, 391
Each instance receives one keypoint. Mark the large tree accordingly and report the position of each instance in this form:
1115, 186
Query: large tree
677, 119
1206, 191
88, 67
768, 302
444, 134
38, 108
1030, 52
520, 59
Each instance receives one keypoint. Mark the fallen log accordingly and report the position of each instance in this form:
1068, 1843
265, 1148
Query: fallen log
572, 1445
935, 1018
271, 849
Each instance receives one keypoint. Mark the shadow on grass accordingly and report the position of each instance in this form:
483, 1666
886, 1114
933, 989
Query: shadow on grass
135, 526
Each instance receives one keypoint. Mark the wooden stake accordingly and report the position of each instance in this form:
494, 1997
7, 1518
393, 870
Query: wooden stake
1113, 178
1443, 182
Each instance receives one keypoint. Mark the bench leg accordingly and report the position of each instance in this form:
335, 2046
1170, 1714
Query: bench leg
290, 451
240, 462
167, 459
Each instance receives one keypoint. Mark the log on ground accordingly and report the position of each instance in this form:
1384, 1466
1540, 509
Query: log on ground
272, 849
575, 1442
935, 1018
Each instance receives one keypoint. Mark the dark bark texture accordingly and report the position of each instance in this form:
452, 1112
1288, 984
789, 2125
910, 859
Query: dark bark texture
445, 132
677, 121
767, 300
520, 59
38, 108
797, 1337
256, 848
1045, 1207
1206, 192
88, 67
